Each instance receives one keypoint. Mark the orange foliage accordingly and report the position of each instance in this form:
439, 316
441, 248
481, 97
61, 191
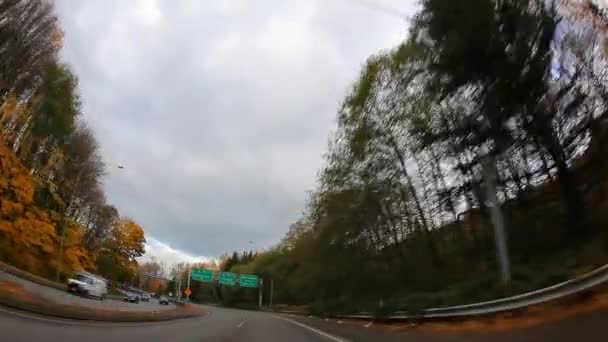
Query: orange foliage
129, 239
28, 235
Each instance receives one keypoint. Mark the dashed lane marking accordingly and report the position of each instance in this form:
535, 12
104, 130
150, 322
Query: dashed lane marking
322, 333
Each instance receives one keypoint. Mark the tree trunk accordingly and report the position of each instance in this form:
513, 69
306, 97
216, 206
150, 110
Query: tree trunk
498, 221
570, 195
428, 236
572, 200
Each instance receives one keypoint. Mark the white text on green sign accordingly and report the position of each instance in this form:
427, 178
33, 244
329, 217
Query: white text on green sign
202, 274
248, 280
227, 278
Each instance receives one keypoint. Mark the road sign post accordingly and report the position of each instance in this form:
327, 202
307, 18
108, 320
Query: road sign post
260, 292
271, 290
188, 292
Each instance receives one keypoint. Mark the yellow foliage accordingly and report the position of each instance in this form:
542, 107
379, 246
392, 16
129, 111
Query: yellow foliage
9, 107
129, 238
75, 256
28, 235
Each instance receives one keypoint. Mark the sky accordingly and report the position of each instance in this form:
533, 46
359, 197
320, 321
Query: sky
219, 111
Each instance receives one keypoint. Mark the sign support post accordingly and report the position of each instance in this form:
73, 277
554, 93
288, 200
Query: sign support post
260, 292
271, 290
188, 291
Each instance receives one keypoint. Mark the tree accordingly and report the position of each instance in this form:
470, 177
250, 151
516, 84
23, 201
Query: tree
55, 215
483, 117
117, 258
128, 239
30, 38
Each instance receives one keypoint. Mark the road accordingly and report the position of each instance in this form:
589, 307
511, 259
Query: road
218, 325
221, 324
231, 325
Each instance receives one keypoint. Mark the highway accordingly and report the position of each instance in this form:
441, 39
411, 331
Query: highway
231, 325
218, 325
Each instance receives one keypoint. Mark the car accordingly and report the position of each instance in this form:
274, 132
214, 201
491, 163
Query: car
145, 297
131, 298
88, 284
163, 300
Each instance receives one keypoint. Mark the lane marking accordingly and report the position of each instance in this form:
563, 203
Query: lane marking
240, 324
369, 324
322, 333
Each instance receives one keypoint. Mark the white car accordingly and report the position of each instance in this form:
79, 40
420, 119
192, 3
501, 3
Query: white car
88, 284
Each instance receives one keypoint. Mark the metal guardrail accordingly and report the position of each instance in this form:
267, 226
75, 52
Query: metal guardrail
567, 288
557, 291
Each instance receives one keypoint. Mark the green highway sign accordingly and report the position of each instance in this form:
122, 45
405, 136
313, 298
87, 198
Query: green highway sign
227, 278
202, 274
248, 280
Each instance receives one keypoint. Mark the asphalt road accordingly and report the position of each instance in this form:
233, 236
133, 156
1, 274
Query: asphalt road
218, 325
231, 325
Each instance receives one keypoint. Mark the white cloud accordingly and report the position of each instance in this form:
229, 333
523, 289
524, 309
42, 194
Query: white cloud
219, 110
163, 253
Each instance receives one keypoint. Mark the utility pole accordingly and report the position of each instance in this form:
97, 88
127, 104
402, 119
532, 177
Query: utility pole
260, 292
496, 216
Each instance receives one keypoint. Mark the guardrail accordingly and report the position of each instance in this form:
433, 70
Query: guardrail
558, 291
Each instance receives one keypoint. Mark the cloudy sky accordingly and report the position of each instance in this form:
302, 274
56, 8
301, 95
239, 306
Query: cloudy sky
220, 111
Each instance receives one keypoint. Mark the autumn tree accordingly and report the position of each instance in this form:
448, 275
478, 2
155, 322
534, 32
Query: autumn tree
117, 258
55, 216
30, 38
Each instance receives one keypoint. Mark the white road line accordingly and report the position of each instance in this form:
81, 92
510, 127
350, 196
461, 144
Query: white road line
369, 324
240, 324
322, 333
58, 320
